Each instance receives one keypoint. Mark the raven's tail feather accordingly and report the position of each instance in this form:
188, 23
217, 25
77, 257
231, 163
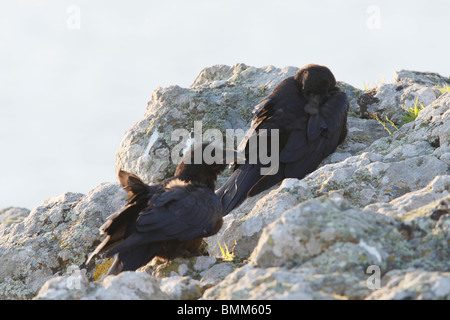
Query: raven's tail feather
119, 225
266, 182
116, 267
236, 188
115, 228
133, 259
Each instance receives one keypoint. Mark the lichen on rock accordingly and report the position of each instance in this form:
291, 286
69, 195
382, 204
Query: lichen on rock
380, 202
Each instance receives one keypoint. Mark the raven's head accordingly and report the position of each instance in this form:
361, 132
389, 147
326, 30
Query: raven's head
205, 162
315, 82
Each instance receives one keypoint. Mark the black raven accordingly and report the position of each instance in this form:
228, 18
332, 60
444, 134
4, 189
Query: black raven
168, 219
310, 112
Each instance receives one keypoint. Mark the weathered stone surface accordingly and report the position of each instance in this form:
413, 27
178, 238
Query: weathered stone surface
243, 226
182, 288
390, 99
57, 235
312, 229
12, 215
222, 97
125, 286
380, 202
250, 282
414, 284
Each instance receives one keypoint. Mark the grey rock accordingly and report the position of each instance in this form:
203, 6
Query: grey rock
353, 95
12, 215
243, 226
55, 236
68, 287
414, 284
310, 229
182, 288
179, 267
216, 273
204, 263
188, 278
222, 97
280, 283
125, 286
369, 178
361, 134
437, 189
380, 202
424, 78
253, 283
390, 100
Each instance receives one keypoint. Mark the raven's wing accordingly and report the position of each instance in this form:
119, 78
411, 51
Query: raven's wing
262, 111
119, 225
139, 194
281, 110
181, 213
305, 148
245, 175
304, 152
316, 125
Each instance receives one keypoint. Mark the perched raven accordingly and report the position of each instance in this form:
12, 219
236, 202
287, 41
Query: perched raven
168, 219
310, 112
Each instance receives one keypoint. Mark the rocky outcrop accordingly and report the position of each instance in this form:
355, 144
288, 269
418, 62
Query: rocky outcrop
54, 239
12, 215
372, 222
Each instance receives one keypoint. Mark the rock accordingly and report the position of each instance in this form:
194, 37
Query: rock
327, 248
402, 206
389, 100
407, 77
243, 226
353, 95
426, 226
204, 263
414, 284
125, 286
188, 278
216, 273
182, 288
369, 178
192, 267
307, 232
372, 222
55, 236
142, 284
361, 134
12, 215
221, 97
394, 165
69, 287
253, 283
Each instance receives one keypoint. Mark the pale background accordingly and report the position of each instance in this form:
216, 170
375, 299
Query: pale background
75, 75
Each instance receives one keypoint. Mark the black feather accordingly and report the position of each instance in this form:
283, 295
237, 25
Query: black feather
168, 219
310, 113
